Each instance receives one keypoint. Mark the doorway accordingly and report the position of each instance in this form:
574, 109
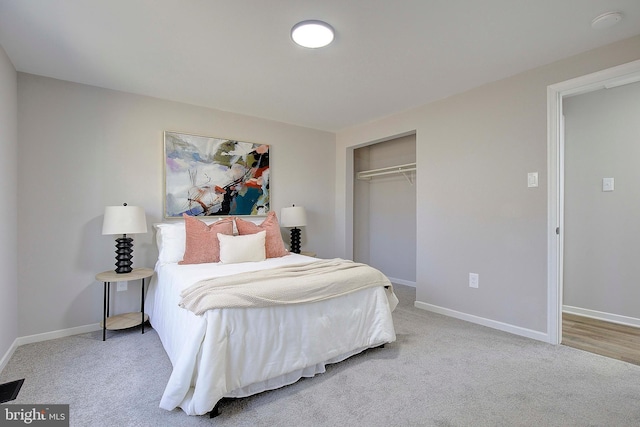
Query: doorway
384, 207
600, 313
616, 76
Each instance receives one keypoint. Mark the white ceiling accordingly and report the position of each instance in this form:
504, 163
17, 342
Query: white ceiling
237, 55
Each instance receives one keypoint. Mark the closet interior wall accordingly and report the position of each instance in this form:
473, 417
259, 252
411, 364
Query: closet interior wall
384, 208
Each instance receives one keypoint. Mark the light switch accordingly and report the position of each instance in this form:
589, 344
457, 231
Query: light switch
532, 179
607, 184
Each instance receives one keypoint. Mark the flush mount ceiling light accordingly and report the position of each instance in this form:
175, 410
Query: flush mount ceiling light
606, 20
312, 34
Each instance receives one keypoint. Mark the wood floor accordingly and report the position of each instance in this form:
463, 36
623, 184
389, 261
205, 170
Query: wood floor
596, 336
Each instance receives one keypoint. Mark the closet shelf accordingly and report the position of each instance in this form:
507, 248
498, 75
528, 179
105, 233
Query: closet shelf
399, 169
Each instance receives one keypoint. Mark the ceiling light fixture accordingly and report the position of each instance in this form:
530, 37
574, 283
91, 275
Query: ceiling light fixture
606, 20
312, 34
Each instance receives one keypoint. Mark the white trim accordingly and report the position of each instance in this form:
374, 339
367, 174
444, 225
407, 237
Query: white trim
623, 81
7, 356
402, 282
597, 80
524, 332
555, 174
554, 331
601, 315
30, 339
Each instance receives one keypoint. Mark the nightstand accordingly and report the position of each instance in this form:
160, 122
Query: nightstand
307, 253
127, 320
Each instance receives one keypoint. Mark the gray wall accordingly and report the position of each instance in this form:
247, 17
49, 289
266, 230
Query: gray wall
361, 206
602, 229
82, 148
8, 207
385, 210
474, 210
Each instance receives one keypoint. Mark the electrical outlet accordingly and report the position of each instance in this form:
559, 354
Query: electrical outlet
122, 286
474, 280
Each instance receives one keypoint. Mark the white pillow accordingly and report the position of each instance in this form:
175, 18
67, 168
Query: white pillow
247, 248
170, 239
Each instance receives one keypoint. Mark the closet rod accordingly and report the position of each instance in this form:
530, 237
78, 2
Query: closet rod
409, 167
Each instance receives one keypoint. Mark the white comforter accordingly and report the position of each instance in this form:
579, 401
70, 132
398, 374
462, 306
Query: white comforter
237, 352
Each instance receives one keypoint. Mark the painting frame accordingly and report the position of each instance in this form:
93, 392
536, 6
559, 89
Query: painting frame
214, 177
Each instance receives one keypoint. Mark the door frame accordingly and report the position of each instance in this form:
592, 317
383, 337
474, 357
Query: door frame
611, 77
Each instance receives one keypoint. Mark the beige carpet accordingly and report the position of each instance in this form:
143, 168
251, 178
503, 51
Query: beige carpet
440, 372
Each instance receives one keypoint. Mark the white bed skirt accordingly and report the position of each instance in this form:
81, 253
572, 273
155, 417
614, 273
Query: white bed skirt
239, 352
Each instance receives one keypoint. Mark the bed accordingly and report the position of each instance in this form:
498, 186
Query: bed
238, 351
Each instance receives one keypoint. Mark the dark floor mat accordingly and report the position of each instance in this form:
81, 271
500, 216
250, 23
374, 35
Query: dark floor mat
9, 391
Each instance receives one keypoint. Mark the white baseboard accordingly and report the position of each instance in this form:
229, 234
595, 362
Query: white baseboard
402, 282
524, 332
8, 354
601, 315
29, 339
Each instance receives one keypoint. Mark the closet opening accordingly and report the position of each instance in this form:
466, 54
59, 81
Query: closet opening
384, 207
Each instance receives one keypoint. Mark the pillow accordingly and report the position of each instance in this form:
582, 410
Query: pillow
201, 244
273, 242
256, 221
170, 241
246, 248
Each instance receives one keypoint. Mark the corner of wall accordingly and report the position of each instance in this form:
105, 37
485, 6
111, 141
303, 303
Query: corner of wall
8, 209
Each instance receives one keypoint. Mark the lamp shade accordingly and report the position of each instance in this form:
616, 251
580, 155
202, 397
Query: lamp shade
294, 216
124, 220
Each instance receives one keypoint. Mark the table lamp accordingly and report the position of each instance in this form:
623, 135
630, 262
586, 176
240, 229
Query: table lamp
124, 220
295, 217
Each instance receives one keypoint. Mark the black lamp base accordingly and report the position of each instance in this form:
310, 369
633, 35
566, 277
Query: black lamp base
295, 240
124, 254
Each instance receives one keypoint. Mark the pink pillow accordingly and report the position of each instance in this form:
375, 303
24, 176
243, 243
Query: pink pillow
202, 244
273, 243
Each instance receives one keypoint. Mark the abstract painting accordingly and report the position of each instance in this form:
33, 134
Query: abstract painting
207, 176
